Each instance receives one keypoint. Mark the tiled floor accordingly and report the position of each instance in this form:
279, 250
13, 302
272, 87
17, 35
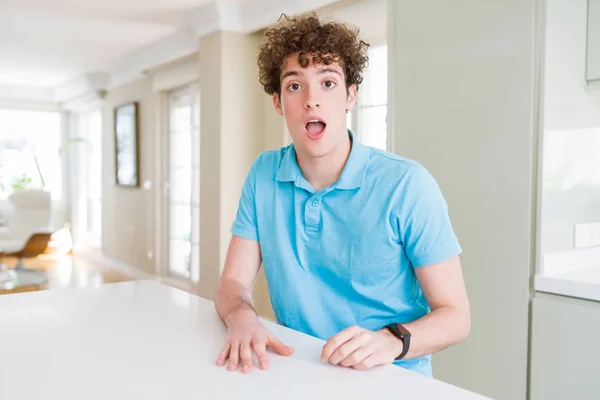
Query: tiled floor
68, 271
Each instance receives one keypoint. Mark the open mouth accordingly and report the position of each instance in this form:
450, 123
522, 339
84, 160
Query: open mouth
315, 128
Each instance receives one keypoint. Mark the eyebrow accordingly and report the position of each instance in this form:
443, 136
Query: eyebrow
320, 72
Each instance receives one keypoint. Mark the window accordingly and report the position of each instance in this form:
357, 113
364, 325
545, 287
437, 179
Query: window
83, 151
369, 117
30, 152
94, 178
183, 183
89, 171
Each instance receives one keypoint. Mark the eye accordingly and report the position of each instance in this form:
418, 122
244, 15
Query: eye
294, 87
329, 84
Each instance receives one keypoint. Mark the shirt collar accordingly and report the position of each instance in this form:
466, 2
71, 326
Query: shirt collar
288, 168
356, 167
352, 175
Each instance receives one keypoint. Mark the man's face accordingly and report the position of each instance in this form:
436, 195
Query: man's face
314, 101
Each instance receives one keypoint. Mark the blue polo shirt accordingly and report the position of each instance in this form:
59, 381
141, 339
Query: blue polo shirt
346, 255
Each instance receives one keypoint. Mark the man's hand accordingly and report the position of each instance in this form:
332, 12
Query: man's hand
247, 335
361, 348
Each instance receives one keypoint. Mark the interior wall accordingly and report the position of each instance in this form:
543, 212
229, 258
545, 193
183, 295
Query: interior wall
571, 158
272, 124
240, 123
210, 162
271, 130
232, 135
368, 15
464, 108
128, 213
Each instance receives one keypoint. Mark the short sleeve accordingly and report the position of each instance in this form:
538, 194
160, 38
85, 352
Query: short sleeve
423, 220
245, 223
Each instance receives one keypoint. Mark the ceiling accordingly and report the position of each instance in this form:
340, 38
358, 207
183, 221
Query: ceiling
45, 43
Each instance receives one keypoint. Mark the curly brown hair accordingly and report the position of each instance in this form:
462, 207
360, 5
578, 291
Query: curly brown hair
306, 35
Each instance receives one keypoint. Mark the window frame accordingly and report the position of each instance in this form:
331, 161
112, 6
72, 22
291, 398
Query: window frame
357, 111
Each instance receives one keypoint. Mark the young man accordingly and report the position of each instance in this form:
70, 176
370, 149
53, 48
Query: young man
356, 243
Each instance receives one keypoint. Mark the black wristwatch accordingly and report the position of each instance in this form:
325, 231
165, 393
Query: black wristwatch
403, 334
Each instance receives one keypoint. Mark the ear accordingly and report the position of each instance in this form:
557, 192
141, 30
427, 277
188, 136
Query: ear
351, 100
277, 104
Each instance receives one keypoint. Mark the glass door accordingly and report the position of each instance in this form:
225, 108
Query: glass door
94, 180
84, 151
182, 184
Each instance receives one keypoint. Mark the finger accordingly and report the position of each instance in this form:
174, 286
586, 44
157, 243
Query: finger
337, 340
279, 347
367, 363
260, 348
356, 357
234, 356
246, 357
223, 354
346, 350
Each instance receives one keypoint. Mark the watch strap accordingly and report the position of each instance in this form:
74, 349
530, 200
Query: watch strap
404, 335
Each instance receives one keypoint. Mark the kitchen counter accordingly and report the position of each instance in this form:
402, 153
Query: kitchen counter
573, 273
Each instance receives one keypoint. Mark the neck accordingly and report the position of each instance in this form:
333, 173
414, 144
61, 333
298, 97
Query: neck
321, 172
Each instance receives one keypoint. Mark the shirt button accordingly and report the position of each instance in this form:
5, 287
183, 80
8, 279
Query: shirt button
315, 203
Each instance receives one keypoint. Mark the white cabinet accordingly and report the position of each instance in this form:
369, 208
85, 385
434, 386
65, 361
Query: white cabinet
565, 349
593, 40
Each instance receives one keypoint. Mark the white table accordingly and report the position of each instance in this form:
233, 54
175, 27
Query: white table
144, 340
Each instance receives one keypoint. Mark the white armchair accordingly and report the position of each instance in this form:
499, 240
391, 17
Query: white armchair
31, 213
26, 235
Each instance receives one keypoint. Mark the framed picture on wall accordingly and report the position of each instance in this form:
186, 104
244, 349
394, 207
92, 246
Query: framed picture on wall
127, 145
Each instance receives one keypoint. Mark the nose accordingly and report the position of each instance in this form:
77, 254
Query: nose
311, 102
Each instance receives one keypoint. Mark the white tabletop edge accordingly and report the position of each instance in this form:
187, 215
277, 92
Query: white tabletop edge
85, 343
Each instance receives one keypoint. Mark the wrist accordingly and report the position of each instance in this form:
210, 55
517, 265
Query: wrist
397, 343
241, 313
403, 335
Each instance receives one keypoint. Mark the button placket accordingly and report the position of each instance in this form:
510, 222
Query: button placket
312, 214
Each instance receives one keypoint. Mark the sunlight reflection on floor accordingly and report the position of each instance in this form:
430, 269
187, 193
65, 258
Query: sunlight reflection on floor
70, 271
